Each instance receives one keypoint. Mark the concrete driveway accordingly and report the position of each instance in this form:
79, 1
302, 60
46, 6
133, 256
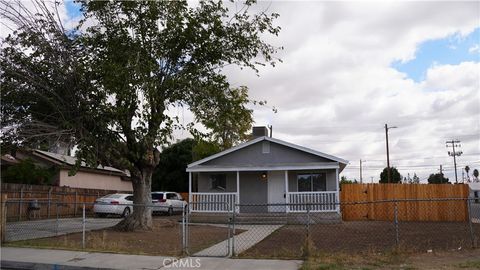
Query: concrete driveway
33, 229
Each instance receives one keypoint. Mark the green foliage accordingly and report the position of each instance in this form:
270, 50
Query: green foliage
170, 174
396, 177
344, 180
26, 172
437, 178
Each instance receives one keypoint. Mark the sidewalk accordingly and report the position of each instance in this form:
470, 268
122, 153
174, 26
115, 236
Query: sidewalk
29, 258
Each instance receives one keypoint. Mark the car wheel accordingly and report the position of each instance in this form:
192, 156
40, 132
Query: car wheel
126, 212
170, 211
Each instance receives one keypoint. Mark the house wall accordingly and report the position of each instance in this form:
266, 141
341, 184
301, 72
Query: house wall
254, 155
84, 179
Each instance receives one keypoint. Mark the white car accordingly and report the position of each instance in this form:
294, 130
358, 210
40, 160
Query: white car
116, 204
167, 202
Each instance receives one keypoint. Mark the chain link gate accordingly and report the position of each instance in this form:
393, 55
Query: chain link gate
206, 233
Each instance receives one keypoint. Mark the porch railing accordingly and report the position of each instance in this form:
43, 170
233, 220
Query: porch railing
316, 201
213, 202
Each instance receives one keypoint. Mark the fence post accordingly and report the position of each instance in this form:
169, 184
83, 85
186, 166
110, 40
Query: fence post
49, 202
472, 234
397, 240
83, 226
234, 212
183, 232
75, 206
3, 217
56, 220
20, 204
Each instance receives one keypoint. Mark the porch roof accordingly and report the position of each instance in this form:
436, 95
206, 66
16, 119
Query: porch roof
265, 167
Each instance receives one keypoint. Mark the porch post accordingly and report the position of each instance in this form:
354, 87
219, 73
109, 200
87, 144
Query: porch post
287, 196
237, 198
337, 197
190, 191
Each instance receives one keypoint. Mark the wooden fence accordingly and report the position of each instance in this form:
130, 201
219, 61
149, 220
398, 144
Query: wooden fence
52, 200
415, 202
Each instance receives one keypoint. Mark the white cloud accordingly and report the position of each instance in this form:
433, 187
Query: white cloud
474, 49
336, 89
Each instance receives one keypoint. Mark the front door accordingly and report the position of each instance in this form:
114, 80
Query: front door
276, 191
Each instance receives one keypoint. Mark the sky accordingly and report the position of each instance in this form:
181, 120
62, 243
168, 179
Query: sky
349, 68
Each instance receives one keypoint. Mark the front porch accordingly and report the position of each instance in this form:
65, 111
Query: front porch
265, 191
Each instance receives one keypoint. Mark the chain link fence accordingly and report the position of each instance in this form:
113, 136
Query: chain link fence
253, 230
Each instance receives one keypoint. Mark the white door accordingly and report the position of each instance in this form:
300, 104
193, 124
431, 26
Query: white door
276, 191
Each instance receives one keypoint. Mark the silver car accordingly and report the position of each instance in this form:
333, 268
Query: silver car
167, 202
116, 204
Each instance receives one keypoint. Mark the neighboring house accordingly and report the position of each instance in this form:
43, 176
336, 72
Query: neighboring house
106, 178
265, 171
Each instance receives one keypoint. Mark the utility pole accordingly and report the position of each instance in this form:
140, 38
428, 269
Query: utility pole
454, 154
389, 174
361, 180
441, 170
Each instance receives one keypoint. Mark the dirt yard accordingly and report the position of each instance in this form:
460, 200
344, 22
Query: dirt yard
364, 237
164, 239
446, 260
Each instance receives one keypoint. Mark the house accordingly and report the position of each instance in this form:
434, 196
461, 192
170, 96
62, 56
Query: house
106, 178
265, 174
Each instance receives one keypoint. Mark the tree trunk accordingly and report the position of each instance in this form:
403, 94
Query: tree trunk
141, 217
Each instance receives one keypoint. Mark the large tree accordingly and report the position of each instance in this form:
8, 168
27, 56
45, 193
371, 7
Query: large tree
110, 86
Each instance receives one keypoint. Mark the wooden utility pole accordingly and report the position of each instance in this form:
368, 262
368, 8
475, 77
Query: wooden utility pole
389, 174
361, 180
454, 154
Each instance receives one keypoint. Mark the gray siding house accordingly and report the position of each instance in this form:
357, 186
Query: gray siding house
265, 171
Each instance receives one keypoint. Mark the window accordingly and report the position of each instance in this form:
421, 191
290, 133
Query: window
312, 182
172, 196
157, 196
129, 198
219, 181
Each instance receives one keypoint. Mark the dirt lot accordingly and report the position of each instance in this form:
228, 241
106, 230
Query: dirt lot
447, 260
364, 237
164, 239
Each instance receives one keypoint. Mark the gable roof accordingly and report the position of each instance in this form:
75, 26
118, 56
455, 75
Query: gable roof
70, 161
280, 142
